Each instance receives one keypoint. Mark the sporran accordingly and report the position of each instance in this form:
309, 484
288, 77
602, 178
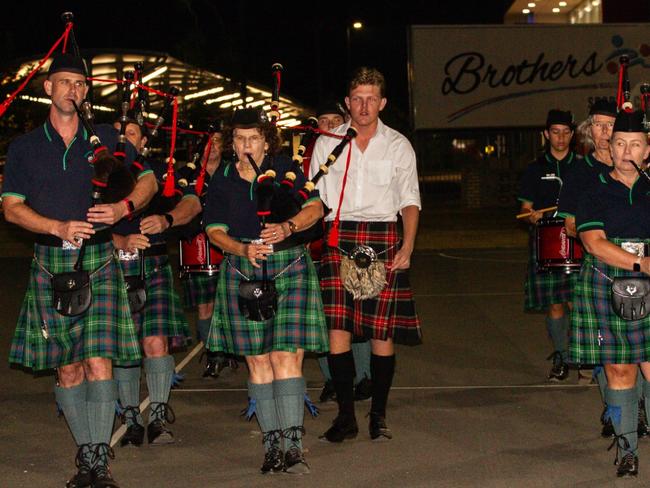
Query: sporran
362, 274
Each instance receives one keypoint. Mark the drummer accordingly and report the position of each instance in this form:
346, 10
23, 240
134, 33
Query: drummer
540, 188
199, 289
613, 222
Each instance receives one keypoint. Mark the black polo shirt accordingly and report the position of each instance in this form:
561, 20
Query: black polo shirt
540, 192
55, 180
126, 227
583, 173
232, 202
620, 211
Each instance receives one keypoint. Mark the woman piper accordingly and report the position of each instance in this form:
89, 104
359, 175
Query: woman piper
273, 256
613, 222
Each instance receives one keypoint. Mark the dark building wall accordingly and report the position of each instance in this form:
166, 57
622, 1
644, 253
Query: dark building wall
619, 11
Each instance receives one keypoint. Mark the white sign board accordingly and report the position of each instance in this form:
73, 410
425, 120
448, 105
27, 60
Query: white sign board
511, 75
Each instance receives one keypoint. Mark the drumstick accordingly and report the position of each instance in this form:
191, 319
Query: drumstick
527, 214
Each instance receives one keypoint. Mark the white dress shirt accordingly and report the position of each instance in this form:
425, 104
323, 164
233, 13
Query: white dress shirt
381, 181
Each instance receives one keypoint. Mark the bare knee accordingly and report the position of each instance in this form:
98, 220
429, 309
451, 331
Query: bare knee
556, 310
259, 368
71, 375
621, 376
287, 364
382, 348
340, 341
205, 310
155, 346
98, 369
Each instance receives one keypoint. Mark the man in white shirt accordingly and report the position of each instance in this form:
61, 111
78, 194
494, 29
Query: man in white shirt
381, 182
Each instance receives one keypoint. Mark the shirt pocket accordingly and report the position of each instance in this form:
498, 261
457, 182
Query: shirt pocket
380, 172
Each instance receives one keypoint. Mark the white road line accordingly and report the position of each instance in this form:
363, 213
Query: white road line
478, 294
483, 260
410, 388
117, 435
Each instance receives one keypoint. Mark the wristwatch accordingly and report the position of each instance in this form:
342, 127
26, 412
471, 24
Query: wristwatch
169, 218
292, 226
637, 265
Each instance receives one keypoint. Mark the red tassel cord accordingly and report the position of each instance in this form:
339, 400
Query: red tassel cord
168, 190
333, 236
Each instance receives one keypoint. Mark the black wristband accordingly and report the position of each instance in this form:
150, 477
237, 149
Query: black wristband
169, 218
636, 267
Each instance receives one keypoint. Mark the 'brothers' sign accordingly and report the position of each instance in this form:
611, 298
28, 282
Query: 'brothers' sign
509, 76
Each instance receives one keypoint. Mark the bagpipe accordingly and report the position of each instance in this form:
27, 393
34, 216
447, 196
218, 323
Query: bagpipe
112, 180
195, 169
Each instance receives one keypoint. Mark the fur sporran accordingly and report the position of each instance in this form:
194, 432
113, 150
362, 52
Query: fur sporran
362, 274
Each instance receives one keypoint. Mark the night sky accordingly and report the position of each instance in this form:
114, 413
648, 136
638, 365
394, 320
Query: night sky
242, 39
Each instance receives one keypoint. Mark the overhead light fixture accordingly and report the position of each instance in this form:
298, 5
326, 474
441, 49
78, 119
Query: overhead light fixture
562, 4
525, 11
156, 73
203, 93
556, 10
532, 5
595, 3
357, 25
587, 8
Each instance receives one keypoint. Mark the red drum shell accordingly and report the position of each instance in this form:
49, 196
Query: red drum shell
556, 251
199, 256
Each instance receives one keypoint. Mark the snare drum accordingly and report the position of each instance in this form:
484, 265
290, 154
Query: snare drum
556, 251
199, 256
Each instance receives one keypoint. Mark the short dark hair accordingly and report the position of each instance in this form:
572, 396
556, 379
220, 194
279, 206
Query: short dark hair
367, 76
269, 131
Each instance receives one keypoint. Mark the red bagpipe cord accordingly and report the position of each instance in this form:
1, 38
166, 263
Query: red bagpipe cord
168, 190
64, 38
619, 91
333, 236
204, 164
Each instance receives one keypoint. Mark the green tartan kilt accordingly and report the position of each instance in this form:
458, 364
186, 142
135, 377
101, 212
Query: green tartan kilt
545, 289
45, 339
199, 288
599, 336
299, 322
163, 313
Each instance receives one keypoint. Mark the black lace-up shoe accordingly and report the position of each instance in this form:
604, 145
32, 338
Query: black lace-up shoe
134, 436
102, 477
273, 462
294, 462
560, 369
83, 478
328, 393
363, 390
157, 431
378, 429
343, 427
629, 466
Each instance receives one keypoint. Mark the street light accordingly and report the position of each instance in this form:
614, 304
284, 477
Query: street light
356, 25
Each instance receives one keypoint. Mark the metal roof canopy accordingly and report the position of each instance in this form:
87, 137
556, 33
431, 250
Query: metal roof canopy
198, 87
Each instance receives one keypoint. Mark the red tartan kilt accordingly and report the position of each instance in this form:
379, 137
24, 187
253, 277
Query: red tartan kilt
391, 315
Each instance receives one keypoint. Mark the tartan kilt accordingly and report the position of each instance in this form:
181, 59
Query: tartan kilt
298, 323
621, 341
105, 330
199, 288
163, 313
545, 289
391, 315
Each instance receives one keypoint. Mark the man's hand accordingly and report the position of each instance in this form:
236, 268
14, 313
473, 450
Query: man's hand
257, 251
402, 259
73, 231
107, 213
154, 224
133, 242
